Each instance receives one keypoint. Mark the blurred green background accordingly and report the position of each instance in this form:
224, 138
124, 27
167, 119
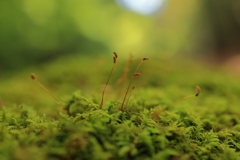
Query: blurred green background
33, 32
61, 39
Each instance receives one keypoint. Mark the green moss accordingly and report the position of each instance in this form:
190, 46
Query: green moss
204, 128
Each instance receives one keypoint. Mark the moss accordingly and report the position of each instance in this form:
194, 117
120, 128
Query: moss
207, 127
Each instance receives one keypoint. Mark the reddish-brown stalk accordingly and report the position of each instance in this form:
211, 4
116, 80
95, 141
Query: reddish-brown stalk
130, 95
33, 76
196, 94
122, 80
135, 74
103, 92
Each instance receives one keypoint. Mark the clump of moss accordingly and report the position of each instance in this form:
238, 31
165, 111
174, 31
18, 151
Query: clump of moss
113, 134
191, 130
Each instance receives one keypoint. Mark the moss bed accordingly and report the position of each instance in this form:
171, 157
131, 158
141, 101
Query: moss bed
34, 126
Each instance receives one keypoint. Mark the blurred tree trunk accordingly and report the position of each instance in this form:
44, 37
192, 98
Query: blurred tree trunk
222, 19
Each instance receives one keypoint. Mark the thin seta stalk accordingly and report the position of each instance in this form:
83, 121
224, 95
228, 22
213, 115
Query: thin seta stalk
103, 92
196, 94
135, 74
122, 80
34, 77
127, 102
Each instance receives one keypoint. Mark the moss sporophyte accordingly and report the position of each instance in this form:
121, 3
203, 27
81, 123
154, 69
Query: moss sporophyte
126, 97
196, 94
114, 63
34, 77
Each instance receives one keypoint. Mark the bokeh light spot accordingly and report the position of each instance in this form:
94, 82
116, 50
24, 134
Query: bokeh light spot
144, 7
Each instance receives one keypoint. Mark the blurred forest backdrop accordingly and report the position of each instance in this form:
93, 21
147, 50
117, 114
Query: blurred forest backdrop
33, 32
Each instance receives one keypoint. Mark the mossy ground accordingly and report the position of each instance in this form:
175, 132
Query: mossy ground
33, 125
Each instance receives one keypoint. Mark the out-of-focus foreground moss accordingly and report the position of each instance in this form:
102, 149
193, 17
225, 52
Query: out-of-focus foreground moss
33, 125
